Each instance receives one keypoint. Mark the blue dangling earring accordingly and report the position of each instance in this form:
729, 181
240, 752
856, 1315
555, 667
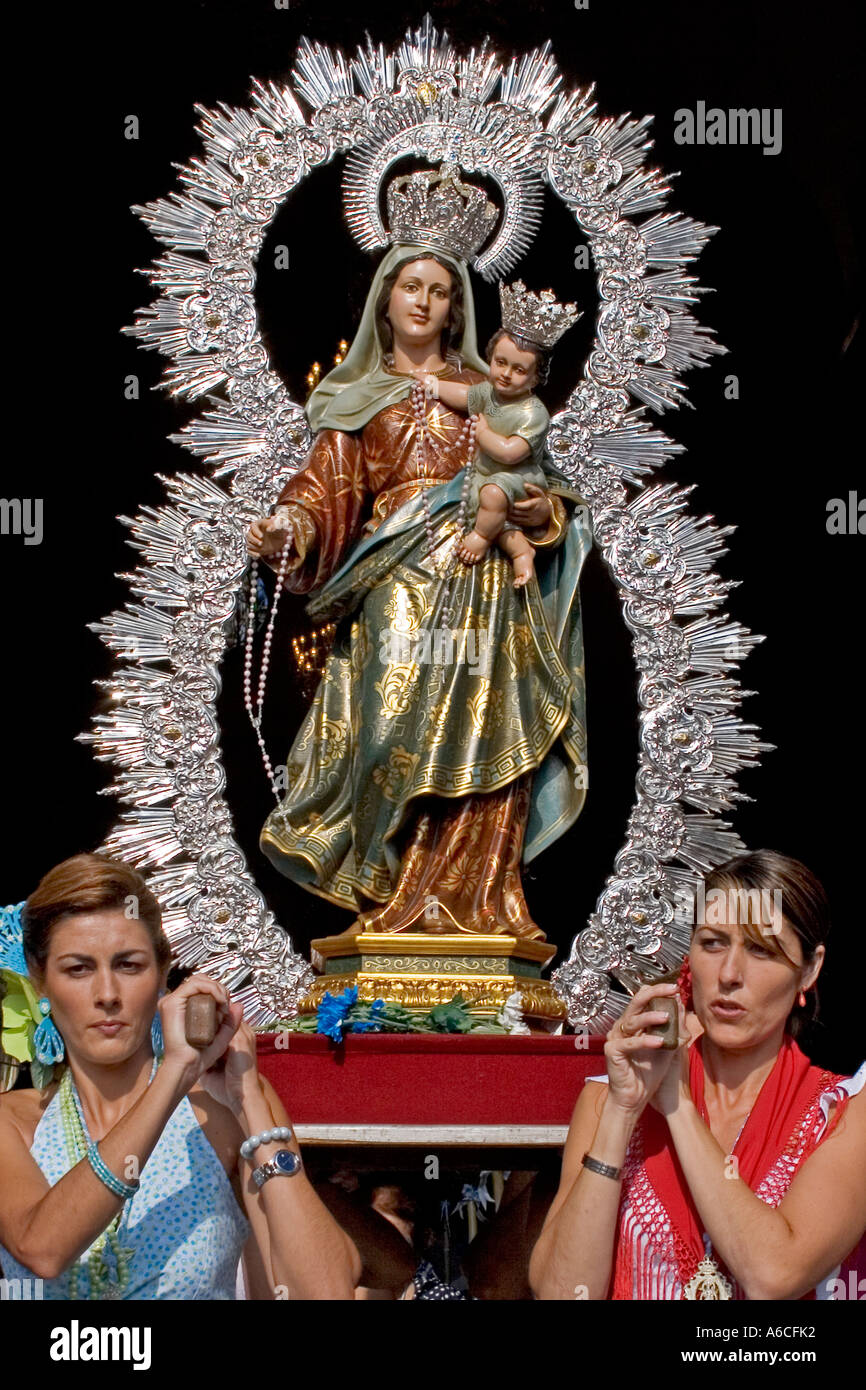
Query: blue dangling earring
47, 1042
156, 1039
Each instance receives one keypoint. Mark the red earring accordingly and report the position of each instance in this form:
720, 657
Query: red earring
684, 984
801, 999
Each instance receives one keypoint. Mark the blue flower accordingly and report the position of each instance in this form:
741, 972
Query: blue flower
331, 1013
373, 1024
477, 1197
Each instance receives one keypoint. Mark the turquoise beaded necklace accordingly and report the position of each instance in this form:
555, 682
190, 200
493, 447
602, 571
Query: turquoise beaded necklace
102, 1284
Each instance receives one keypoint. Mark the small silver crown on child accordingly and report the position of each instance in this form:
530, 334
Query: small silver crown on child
537, 317
439, 209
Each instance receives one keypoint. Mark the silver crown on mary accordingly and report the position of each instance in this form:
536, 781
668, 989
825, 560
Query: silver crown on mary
438, 209
537, 317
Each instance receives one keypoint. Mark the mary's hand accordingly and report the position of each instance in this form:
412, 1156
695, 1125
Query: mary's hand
267, 536
636, 1062
535, 510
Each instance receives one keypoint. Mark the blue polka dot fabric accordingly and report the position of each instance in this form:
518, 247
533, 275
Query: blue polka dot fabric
183, 1224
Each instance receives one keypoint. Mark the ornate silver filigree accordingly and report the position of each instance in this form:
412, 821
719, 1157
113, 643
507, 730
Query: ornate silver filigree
161, 732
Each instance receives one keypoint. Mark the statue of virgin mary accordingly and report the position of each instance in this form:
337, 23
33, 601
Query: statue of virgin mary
424, 773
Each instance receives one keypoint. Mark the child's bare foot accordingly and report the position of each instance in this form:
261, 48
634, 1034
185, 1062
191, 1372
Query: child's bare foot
524, 568
473, 548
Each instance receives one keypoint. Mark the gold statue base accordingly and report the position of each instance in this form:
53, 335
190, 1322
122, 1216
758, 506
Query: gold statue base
419, 971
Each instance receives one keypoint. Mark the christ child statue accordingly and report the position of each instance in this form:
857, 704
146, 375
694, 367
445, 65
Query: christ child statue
512, 427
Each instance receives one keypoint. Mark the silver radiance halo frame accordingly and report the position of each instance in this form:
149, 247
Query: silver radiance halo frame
161, 732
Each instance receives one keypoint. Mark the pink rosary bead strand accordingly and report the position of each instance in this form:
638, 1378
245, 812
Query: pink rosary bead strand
419, 397
256, 714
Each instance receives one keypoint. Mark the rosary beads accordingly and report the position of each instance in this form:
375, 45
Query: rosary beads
418, 400
422, 432
256, 714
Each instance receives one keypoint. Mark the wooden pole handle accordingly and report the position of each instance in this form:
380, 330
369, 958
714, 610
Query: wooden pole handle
200, 1020
666, 1003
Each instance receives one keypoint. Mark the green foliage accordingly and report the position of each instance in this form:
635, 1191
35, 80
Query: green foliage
382, 1017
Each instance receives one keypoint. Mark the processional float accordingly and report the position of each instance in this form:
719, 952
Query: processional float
513, 124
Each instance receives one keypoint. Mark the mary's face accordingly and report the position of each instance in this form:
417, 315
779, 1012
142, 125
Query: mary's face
420, 303
103, 982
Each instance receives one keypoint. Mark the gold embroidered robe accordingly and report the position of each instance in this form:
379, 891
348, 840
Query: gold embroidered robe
410, 782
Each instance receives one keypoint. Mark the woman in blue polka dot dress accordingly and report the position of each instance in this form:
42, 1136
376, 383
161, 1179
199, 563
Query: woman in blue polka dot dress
124, 1177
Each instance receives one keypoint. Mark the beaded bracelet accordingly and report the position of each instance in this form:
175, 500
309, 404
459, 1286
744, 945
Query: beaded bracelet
118, 1187
267, 1136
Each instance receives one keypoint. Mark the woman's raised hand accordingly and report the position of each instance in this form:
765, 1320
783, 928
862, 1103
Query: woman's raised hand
675, 1082
230, 1085
267, 535
636, 1061
192, 1061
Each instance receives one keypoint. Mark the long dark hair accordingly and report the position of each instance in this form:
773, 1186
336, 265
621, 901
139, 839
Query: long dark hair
804, 907
452, 333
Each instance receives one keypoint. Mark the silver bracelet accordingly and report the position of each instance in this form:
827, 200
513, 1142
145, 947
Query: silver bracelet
267, 1136
604, 1170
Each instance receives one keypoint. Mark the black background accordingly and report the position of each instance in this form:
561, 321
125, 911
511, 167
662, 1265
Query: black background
786, 272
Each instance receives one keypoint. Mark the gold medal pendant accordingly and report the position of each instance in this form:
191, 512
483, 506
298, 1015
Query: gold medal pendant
708, 1282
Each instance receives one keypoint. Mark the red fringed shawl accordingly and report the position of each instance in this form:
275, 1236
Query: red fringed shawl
659, 1240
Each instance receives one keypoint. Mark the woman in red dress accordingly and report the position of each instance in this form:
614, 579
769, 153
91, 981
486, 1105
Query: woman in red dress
731, 1167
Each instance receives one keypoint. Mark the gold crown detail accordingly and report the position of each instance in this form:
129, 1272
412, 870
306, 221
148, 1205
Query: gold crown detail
537, 317
438, 209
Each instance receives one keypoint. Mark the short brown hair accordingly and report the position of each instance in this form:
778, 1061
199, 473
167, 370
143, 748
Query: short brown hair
89, 883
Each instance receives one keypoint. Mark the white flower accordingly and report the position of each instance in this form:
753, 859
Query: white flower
510, 1016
